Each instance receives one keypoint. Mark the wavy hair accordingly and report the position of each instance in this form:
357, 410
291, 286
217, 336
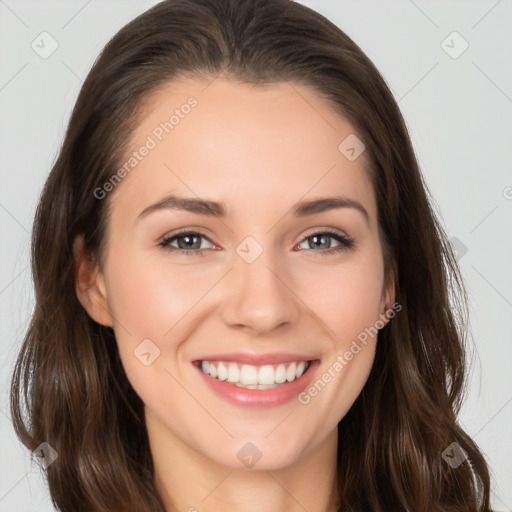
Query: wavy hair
69, 388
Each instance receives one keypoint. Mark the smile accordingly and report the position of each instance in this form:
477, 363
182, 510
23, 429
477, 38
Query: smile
254, 377
263, 381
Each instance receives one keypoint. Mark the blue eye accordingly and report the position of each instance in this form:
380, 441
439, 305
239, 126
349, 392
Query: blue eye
190, 242
319, 239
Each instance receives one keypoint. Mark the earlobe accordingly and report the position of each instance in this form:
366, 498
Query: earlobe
389, 297
90, 285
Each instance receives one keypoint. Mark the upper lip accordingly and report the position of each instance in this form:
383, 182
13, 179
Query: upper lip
256, 359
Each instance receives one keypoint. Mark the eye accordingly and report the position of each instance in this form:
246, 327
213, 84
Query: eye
188, 242
323, 240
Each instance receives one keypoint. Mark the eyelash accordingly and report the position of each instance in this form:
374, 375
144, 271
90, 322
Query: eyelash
345, 242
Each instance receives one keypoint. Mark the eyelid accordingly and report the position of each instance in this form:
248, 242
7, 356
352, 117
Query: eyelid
185, 231
326, 230
182, 232
307, 234
345, 241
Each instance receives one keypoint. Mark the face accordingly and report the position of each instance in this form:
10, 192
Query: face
270, 271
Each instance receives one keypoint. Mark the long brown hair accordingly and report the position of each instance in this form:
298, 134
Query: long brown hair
69, 388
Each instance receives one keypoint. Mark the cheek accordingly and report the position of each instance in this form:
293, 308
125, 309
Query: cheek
151, 301
150, 298
350, 310
348, 299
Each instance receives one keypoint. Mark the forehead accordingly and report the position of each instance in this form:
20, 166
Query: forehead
232, 141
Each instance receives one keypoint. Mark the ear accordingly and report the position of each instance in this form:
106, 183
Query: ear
388, 295
90, 285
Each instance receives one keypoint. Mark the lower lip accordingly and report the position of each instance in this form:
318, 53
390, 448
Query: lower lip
260, 398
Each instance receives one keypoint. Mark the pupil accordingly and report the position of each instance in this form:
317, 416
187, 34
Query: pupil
319, 243
188, 239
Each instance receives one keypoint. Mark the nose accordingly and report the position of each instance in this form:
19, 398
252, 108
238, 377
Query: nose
259, 296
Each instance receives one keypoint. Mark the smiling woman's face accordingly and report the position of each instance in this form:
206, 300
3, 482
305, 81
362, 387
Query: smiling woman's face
273, 285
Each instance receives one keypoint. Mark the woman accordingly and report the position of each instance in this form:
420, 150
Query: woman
191, 349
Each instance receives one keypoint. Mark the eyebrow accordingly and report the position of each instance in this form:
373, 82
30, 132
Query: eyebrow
219, 209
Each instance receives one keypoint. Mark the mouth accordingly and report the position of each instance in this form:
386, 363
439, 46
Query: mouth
238, 381
254, 377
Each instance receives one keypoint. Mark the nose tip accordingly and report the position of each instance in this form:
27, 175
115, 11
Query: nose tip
257, 298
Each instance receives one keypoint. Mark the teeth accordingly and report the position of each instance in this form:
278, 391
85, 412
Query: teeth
290, 373
222, 372
280, 375
249, 375
233, 373
254, 377
266, 375
256, 386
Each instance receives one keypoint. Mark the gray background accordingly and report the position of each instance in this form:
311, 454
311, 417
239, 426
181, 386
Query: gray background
458, 111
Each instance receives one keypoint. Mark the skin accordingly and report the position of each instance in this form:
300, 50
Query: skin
258, 150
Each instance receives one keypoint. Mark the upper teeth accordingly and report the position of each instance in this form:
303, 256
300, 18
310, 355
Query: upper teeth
249, 375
